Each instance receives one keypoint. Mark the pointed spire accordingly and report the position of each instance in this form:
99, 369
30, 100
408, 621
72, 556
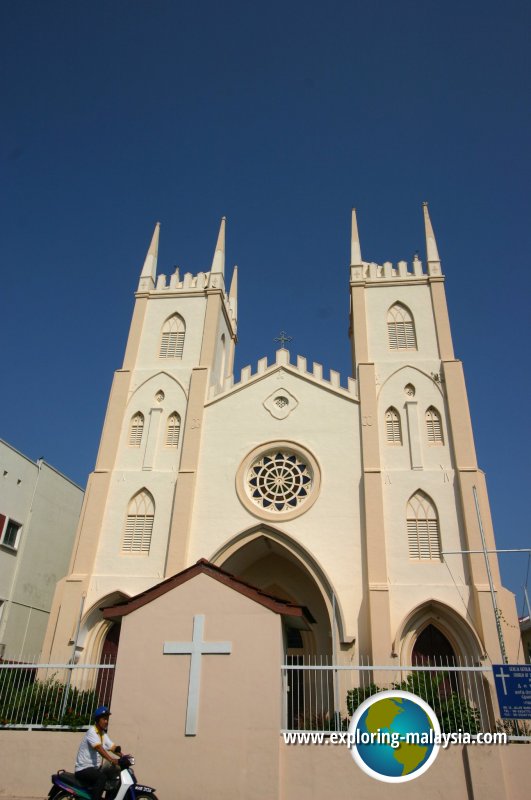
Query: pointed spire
233, 292
432, 254
149, 270
355, 247
218, 262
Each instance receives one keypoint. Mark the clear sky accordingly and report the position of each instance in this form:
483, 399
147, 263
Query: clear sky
281, 116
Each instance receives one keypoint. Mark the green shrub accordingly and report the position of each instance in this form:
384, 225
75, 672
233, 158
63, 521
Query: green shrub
355, 697
435, 688
27, 701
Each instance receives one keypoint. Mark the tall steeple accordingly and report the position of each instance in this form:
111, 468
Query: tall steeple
149, 270
233, 293
355, 247
218, 262
432, 254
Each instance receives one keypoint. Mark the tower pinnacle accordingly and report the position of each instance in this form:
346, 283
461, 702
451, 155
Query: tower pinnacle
218, 262
432, 254
233, 292
355, 247
149, 270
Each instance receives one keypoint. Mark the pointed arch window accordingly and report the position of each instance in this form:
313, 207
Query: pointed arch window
136, 429
172, 339
173, 430
423, 528
434, 426
393, 428
401, 328
139, 524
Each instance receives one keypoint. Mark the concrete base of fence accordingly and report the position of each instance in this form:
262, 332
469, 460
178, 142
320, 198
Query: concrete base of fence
30, 757
492, 772
307, 772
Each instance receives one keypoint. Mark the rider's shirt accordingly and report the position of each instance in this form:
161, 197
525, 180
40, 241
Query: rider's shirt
87, 756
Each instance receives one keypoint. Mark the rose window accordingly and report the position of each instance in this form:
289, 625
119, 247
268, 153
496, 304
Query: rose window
279, 481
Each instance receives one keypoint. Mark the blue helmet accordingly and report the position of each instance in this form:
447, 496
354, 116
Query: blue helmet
102, 711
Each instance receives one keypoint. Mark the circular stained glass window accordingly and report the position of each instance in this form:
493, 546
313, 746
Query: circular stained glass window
279, 481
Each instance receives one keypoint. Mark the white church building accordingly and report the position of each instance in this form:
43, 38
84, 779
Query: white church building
340, 496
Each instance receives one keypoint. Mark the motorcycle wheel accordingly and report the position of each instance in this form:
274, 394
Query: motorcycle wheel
61, 795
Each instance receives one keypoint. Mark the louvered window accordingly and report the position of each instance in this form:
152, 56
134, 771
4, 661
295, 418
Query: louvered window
136, 430
401, 328
434, 426
139, 524
423, 529
172, 339
392, 427
173, 430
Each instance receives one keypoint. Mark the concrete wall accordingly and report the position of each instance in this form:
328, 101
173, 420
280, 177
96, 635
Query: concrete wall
459, 773
28, 759
47, 505
306, 772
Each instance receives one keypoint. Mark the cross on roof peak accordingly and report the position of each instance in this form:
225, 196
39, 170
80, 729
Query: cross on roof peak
283, 338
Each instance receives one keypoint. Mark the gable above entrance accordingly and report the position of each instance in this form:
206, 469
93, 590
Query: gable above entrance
292, 611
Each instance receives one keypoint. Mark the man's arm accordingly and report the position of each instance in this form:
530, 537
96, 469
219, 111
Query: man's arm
105, 754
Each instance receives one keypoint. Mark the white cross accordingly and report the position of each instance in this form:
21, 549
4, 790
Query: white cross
196, 648
501, 674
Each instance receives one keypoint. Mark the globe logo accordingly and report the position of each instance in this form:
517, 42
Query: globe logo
395, 736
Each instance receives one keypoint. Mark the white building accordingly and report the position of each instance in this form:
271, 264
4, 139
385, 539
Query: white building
340, 495
39, 513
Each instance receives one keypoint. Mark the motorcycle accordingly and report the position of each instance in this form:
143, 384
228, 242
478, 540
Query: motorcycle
124, 787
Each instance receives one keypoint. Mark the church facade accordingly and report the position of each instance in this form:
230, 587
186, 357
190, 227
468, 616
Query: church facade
356, 500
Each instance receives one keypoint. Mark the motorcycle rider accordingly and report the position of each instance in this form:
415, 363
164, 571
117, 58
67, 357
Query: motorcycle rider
94, 763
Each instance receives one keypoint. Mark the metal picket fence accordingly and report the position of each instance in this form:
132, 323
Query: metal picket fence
52, 696
321, 696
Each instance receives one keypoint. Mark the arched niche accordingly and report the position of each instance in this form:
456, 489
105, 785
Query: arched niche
464, 642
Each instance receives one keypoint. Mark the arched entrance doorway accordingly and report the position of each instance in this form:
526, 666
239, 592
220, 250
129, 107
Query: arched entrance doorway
432, 646
268, 565
272, 567
435, 636
109, 652
432, 649
435, 630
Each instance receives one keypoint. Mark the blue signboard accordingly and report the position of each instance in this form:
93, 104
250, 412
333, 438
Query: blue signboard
513, 687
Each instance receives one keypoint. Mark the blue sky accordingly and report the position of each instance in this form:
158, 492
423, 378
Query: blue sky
281, 116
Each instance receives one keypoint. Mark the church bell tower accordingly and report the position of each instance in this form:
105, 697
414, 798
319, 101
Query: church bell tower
181, 343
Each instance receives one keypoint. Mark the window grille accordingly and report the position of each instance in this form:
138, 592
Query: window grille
136, 430
392, 427
279, 481
401, 328
434, 426
172, 340
423, 529
139, 524
173, 430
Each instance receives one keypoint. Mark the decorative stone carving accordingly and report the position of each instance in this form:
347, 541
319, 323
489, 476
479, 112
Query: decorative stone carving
281, 403
278, 480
